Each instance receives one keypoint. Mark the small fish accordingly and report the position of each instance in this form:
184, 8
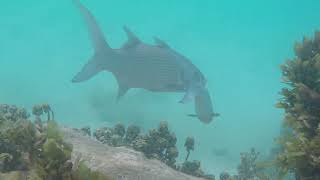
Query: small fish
157, 68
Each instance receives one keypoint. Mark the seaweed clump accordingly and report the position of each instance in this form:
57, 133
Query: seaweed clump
158, 143
191, 167
34, 150
249, 168
301, 102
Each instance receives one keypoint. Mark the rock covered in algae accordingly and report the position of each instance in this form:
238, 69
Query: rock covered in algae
103, 135
119, 130
192, 168
34, 151
12, 113
158, 143
46, 153
119, 162
132, 133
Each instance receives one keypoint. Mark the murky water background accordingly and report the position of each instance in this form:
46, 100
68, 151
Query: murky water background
238, 45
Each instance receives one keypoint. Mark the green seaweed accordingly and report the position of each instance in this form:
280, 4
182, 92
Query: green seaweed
301, 103
34, 151
119, 130
192, 168
132, 133
189, 145
82, 172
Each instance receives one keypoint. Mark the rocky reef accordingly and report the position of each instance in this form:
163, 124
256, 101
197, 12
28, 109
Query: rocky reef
36, 147
36, 150
157, 143
121, 163
301, 103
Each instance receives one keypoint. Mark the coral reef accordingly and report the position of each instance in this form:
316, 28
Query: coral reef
301, 102
33, 150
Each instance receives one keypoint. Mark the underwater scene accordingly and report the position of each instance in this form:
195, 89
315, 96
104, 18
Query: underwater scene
159, 90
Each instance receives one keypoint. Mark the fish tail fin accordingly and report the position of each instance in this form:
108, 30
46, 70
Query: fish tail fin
102, 57
96, 35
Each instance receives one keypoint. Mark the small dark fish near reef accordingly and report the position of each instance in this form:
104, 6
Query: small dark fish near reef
157, 68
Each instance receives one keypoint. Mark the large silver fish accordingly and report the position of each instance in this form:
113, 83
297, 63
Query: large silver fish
156, 68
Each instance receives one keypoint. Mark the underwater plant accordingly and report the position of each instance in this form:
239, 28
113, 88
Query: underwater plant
189, 145
226, 176
36, 151
119, 130
249, 168
301, 102
159, 143
12, 113
39, 110
131, 134
192, 168
82, 172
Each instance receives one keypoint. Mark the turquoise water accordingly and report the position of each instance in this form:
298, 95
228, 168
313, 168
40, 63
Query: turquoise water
237, 45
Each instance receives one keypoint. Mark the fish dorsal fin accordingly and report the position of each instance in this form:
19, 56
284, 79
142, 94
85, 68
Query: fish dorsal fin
160, 43
133, 40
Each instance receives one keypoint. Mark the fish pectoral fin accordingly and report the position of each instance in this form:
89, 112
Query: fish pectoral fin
88, 71
160, 43
133, 40
192, 115
188, 97
215, 114
123, 89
